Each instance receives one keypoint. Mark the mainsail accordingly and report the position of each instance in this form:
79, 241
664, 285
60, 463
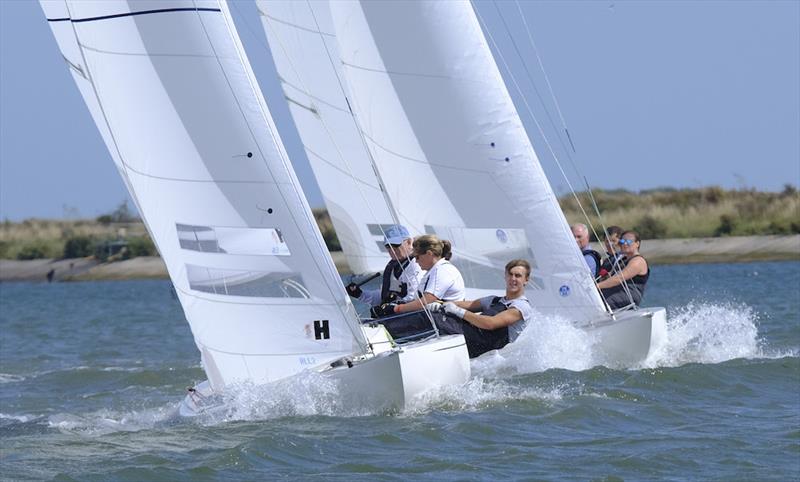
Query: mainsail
451, 149
175, 99
304, 49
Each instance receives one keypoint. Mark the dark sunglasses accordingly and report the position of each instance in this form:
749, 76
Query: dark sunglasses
623, 242
393, 246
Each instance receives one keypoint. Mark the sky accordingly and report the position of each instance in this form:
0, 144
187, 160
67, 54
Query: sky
676, 93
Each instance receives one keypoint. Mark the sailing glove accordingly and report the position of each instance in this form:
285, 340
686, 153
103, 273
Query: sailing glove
354, 290
452, 309
386, 309
434, 307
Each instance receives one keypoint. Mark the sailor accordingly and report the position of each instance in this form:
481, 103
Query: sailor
612, 262
491, 322
401, 276
592, 257
443, 282
627, 286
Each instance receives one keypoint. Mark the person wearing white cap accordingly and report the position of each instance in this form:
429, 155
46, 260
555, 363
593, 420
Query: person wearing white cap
401, 277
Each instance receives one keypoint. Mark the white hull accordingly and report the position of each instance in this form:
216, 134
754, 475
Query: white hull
629, 338
389, 380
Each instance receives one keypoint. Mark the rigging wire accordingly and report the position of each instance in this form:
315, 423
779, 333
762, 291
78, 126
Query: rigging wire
536, 121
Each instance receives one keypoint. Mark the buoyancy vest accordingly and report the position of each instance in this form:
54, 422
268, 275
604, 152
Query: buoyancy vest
392, 288
597, 259
620, 297
479, 341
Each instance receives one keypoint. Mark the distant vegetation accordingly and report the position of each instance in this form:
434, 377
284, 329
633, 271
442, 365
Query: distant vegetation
691, 213
657, 213
118, 235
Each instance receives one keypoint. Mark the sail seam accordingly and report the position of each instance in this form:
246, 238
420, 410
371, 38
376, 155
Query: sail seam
131, 14
330, 163
311, 96
392, 72
145, 54
299, 27
420, 161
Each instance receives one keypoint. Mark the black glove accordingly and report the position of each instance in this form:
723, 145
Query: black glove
386, 309
354, 290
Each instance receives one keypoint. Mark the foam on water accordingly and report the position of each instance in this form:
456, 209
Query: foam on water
706, 333
711, 333
107, 421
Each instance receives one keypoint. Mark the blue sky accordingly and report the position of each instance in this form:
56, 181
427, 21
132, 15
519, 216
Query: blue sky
677, 93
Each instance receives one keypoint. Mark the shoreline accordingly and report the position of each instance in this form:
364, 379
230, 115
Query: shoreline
658, 252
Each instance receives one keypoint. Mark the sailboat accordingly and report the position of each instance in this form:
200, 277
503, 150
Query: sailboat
173, 95
405, 99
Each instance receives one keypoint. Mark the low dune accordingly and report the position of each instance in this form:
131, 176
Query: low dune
658, 251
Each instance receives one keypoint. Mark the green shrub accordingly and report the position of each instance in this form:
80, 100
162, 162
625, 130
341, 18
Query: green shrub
649, 227
726, 226
141, 246
34, 250
78, 247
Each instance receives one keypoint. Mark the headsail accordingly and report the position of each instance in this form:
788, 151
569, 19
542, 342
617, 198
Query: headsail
304, 48
176, 101
452, 152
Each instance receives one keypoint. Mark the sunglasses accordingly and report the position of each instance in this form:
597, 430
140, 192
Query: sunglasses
393, 246
623, 242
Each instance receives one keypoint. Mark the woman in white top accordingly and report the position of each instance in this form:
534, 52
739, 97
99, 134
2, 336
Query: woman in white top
443, 281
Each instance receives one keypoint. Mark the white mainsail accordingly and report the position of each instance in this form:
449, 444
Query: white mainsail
452, 151
175, 99
304, 49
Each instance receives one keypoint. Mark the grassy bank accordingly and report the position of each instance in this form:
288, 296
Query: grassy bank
691, 213
656, 214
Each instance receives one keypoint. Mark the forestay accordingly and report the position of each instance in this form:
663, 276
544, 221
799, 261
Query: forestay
173, 95
304, 49
452, 151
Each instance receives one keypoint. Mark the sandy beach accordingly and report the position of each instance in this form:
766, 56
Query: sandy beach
661, 251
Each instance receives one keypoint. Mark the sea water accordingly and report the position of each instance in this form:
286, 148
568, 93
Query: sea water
91, 374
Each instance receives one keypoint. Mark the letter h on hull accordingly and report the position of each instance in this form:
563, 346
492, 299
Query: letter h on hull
321, 330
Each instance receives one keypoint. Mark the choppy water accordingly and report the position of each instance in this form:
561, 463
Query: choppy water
91, 375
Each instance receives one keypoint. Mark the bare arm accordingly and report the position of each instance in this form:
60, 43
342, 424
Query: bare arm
636, 266
416, 304
500, 320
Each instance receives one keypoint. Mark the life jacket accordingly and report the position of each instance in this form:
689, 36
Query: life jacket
613, 263
392, 288
619, 297
479, 341
597, 259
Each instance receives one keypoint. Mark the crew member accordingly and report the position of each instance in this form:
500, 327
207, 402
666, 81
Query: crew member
401, 276
592, 257
491, 322
627, 286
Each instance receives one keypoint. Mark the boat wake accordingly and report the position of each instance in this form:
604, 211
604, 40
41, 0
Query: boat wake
713, 333
696, 333
700, 333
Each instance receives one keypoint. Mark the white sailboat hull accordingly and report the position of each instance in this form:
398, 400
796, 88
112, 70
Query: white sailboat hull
629, 338
387, 381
